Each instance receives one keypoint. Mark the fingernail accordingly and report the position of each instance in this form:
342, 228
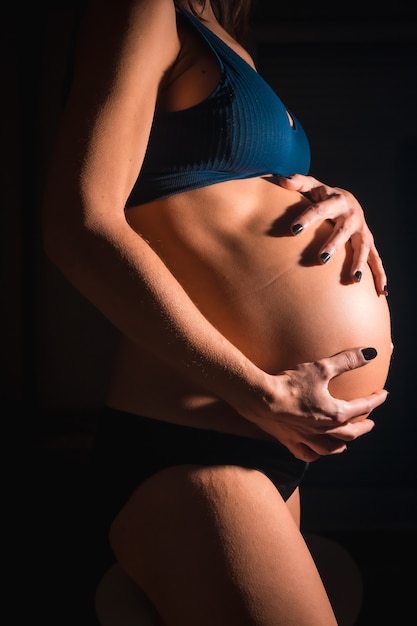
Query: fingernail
358, 276
324, 257
369, 353
386, 290
296, 228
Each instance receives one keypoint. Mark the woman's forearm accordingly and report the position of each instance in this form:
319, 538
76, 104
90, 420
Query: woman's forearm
120, 274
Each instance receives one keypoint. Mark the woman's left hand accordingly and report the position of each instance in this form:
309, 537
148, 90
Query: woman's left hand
343, 209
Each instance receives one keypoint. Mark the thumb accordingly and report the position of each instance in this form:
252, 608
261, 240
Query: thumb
351, 359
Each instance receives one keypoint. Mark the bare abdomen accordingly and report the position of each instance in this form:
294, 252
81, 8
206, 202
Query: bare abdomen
263, 289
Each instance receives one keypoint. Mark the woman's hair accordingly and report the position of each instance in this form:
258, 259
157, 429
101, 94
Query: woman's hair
233, 15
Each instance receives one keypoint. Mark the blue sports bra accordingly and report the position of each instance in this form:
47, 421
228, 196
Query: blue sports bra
240, 131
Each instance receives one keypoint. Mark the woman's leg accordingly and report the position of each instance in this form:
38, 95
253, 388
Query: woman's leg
217, 546
293, 505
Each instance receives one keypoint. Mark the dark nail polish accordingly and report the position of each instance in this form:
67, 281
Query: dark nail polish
369, 353
297, 228
324, 257
386, 290
358, 276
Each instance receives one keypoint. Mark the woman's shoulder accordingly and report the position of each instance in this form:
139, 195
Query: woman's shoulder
117, 25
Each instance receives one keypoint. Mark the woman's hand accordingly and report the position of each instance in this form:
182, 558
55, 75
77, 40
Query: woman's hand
311, 447
300, 412
342, 208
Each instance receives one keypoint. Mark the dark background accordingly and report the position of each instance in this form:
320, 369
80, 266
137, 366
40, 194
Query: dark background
348, 73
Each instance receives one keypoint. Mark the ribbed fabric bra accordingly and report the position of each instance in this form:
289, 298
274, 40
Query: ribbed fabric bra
240, 131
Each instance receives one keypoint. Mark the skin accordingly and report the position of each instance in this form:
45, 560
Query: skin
227, 321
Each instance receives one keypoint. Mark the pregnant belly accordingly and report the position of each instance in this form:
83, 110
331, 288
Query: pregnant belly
265, 291
308, 313
288, 309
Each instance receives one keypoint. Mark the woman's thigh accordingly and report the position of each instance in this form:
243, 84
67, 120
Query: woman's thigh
219, 546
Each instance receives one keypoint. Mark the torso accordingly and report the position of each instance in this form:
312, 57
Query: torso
230, 246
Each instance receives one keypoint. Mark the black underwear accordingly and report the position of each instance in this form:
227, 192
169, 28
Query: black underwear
130, 448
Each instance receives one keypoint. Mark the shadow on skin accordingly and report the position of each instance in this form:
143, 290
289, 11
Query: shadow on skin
309, 256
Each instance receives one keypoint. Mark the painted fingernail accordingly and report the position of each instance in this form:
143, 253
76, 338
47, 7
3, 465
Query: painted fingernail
296, 228
324, 257
369, 353
386, 290
358, 276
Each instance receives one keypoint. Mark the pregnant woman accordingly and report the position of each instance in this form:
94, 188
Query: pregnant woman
250, 298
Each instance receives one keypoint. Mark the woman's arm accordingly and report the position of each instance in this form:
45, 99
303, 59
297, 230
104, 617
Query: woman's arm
125, 50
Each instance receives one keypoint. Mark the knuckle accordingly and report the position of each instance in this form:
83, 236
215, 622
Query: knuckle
322, 368
341, 199
368, 238
317, 209
339, 415
351, 361
344, 232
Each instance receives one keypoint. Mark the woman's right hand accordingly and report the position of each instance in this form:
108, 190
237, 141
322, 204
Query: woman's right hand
300, 412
